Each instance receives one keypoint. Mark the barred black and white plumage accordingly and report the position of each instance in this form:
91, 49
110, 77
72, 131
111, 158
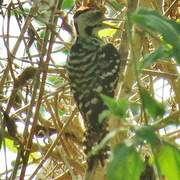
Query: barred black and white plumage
93, 70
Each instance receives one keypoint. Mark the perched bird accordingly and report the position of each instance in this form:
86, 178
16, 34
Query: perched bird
92, 68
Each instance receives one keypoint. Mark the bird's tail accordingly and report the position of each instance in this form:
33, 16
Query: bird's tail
94, 135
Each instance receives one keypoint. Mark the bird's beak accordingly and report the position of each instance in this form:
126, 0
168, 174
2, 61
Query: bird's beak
107, 29
107, 24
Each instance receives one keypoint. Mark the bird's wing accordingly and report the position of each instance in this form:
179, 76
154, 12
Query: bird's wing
108, 64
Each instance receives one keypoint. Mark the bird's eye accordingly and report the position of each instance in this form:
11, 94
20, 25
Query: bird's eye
98, 14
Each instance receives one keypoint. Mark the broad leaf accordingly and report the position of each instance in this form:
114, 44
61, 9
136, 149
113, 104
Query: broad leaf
150, 20
167, 159
146, 134
153, 107
117, 108
125, 164
67, 4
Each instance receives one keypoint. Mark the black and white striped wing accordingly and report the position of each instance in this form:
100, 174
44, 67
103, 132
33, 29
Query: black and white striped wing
108, 64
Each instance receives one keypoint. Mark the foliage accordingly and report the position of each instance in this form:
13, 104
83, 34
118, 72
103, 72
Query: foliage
39, 121
126, 162
151, 21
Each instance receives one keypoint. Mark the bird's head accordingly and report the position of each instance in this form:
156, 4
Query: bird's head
88, 22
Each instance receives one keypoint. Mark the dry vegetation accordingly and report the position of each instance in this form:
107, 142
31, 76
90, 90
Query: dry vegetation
39, 118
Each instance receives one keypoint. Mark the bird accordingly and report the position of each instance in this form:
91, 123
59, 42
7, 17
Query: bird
92, 68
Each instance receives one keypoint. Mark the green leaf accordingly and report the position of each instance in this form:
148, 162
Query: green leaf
153, 107
55, 80
147, 134
151, 20
167, 159
175, 24
125, 164
161, 52
67, 4
10, 145
117, 108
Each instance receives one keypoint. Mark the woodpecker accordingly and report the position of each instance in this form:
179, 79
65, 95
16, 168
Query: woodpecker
92, 68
